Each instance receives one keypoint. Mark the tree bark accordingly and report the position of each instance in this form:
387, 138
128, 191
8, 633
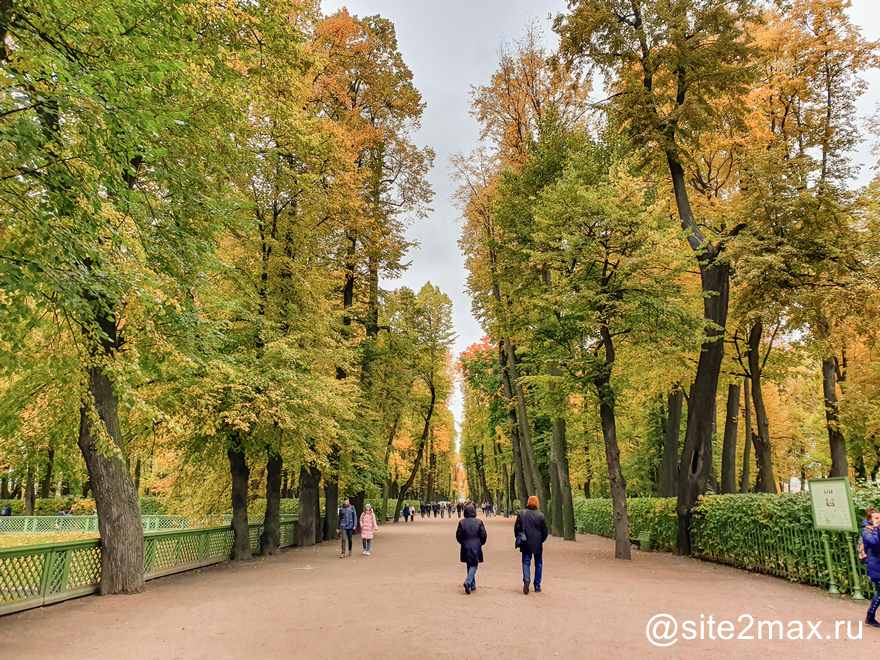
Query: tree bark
696, 458
728, 450
669, 462
554, 511
309, 505
270, 538
836, 439
238, 469
763, 449
616, 481
515, 444
746, 479
404, 489
119, 515
560, 447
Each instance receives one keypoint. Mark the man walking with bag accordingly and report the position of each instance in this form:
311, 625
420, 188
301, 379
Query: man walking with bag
530, 532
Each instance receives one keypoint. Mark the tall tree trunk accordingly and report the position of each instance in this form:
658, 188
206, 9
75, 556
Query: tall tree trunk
836, 439
515, 443
560, 447
728, 448
331, 508
426, 429
612, 450
534, 479
4, 487
746, 479
30, 495
238, 469
763, 449
309, 505
554, 511
46, 483
119, 515
696, 459
137, 476
270, 539
588, 464
669, 462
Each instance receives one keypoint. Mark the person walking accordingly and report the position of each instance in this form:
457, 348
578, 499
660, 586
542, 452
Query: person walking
530, 532
471, 536
369, 525
871, 541
347, 524
458, 507
406, 511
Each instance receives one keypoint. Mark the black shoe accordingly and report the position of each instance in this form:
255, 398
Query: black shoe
871, 621
467, 588
537, 589
526, 588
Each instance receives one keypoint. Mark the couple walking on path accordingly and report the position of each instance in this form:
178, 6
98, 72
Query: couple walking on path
348, 523
529, 531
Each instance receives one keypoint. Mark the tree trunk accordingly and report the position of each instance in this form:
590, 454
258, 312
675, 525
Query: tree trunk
270, 539
46, 483
746, 479
119, 515
515, 444
554, 511
238, 469
534, 481
309, 480
728, 448
426, 429
137, 476
669, 462
612, 450
696, 458
4, 487
30, 495
560, 446
763, 450
331, 509
836, 439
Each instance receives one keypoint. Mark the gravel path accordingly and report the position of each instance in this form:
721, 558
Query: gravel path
406, 601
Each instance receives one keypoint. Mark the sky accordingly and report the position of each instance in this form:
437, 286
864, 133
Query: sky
451, 46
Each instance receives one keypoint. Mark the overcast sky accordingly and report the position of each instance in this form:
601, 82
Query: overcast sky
451, 45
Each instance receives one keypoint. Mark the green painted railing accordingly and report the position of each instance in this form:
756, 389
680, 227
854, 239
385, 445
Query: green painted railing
28, 524
36, 575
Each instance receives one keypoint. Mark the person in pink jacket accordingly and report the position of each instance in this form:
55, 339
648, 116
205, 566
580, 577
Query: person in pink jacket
369, 525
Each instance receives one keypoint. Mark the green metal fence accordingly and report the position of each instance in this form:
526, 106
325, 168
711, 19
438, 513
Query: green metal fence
35, 575
27, 524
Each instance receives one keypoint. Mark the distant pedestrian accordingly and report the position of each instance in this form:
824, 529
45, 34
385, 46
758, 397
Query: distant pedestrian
471, 535
871, 540
406, 513
6, 511
530, 532
347, 524
458, 507
369, 525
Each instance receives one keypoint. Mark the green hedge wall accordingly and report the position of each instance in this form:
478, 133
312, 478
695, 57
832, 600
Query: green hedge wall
770, 534
52, 506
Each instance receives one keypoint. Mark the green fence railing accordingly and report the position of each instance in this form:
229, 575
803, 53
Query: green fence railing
32, 524
36, 575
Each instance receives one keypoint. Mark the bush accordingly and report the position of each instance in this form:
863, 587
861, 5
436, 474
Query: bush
646, 514
52, 506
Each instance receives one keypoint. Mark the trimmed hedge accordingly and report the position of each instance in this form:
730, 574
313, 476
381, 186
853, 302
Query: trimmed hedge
770, 534
646, 514
52, 506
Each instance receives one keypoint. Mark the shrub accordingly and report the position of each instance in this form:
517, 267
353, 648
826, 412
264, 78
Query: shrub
646, 514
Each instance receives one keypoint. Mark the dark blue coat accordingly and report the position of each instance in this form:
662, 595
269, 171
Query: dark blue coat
471, 534
871, 539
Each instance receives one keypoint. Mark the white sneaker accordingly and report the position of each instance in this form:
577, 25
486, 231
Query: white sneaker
367, 553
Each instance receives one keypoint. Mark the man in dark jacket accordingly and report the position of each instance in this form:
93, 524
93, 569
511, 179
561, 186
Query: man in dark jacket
471, 535
530, 532
347, 525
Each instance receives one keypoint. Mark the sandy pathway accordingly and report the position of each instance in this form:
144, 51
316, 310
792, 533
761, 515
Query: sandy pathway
406, 601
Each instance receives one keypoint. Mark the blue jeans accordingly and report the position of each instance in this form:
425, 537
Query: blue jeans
875, 603
471, 579
527, 568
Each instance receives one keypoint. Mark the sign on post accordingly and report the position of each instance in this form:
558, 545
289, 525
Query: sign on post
833, 505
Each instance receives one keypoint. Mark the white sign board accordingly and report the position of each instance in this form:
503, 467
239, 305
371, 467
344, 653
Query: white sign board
832, 505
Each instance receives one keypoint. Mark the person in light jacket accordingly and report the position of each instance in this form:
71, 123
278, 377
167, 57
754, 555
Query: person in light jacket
369, 525
471, 535
871, 540
347, 524
530, 532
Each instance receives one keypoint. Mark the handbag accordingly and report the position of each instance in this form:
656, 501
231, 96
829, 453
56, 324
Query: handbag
521, 540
